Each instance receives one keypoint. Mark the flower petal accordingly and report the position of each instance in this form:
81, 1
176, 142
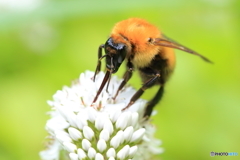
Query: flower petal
74, 133
137, 135
70, 147
124, 152
81, 153
104, 134
99, 156
111, 152
86, 144
88, 132
91, 153
101, 145
73, 156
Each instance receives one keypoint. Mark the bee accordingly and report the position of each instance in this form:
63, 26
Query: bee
145, 49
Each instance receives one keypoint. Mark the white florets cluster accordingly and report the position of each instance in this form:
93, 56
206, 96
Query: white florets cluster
80, 130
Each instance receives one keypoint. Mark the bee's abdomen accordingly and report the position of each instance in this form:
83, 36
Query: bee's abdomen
157, 66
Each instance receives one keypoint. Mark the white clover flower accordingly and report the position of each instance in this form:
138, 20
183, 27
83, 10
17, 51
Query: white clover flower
80, 130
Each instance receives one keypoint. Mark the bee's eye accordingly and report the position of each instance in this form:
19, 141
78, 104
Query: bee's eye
150, 40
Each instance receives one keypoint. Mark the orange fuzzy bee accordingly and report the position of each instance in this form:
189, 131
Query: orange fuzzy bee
146, 49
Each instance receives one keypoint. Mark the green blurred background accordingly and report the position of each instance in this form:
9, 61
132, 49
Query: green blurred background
47, 44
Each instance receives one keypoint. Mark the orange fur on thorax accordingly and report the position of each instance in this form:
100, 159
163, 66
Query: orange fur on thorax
135, 32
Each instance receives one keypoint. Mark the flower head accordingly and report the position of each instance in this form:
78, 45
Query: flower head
81, 130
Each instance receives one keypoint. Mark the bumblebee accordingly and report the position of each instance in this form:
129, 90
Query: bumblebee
144, 48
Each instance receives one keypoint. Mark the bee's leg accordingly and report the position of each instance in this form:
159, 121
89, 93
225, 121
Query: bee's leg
127, 75
105, 80
98, 68
153, 102
145, 86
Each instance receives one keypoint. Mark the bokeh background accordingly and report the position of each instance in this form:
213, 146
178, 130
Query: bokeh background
45, 44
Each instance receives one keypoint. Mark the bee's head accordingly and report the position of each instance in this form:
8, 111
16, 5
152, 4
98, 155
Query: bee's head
116, 53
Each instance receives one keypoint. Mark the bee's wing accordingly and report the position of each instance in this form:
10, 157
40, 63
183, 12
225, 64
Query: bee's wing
167, 42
